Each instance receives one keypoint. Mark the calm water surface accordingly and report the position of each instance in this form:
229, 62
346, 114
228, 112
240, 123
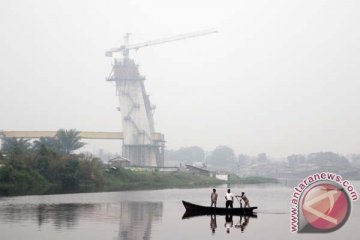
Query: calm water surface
155, 215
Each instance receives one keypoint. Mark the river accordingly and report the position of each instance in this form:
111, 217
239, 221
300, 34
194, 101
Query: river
156, 214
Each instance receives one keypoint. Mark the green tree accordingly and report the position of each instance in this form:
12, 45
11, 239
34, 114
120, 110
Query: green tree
70, 174
355, 159
295, 159
2, 157
243, 160
15, 150
222, 156
69, 140
13, 147
262, 158
91, 168
47, 150
186, 154
327, 158
45, 145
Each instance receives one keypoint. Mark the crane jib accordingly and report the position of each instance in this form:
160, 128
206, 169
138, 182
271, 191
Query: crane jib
125, 48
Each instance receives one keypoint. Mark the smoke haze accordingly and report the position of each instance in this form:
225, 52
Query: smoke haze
280, 77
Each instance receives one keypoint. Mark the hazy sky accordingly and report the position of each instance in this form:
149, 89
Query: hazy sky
280, 77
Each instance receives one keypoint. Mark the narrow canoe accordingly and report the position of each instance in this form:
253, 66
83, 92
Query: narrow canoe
199, 210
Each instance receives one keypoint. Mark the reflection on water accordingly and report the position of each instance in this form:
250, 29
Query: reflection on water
213, 224
241, 224
155, 215
228, 223
241, 221
137, 218
63, 215
60, 215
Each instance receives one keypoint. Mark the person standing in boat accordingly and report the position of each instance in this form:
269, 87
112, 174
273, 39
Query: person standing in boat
229, 197
245, 199
213, 197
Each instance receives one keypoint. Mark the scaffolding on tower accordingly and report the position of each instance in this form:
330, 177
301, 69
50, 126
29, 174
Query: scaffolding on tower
142, 145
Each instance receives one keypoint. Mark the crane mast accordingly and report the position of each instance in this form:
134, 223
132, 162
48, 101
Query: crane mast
141, 145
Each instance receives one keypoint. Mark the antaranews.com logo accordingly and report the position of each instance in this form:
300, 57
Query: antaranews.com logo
321, 203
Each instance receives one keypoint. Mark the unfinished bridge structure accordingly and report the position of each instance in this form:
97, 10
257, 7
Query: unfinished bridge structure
141, 144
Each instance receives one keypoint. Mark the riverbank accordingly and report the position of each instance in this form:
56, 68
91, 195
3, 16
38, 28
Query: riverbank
235, 179
124, 179
29, 182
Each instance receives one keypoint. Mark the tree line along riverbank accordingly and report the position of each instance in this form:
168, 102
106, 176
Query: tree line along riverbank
49, 165
27, 181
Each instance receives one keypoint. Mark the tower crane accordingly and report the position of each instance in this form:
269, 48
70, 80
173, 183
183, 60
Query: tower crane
141, 145
124, 49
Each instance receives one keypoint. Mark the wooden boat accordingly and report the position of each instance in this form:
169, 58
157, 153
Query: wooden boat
195, 210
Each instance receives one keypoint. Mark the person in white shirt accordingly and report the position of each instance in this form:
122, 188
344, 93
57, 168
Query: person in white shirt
229, 197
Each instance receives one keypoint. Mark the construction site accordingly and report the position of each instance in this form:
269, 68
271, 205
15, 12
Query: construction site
142, 145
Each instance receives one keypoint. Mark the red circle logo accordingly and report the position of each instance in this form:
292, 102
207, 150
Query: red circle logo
326, 207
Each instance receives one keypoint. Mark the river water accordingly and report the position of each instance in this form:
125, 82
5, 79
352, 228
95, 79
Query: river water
156, 214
